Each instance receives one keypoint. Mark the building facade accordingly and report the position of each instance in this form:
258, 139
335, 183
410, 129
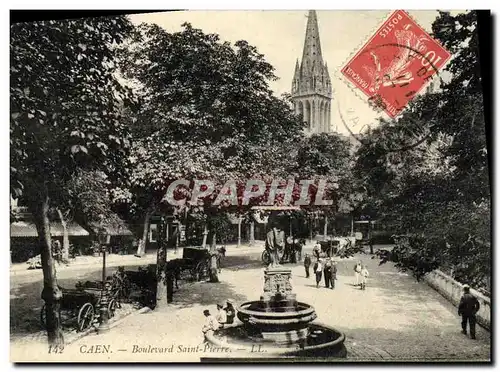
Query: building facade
311, 85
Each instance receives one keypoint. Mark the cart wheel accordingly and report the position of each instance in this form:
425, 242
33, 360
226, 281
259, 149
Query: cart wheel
85, 317
43, 317
202, 270
266, 258
112, 306
185, 274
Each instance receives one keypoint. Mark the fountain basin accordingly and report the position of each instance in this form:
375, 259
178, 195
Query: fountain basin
322, 341
282, 325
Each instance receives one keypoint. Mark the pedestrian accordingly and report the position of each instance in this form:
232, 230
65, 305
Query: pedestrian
307, 264
221, 315
211, 323
327, 272
468, 308
56, 250
357, 273
294, 251
230, 311
317, 250
333, 275
318, 269
364, 275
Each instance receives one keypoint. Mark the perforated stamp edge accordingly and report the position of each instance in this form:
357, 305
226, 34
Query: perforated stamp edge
357, 92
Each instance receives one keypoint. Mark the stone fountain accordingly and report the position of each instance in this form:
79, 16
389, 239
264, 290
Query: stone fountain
278, 325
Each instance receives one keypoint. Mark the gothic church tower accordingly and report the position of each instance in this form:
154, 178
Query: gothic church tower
311, 85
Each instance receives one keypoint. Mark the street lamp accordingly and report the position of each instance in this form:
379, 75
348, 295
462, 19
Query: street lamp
104, 239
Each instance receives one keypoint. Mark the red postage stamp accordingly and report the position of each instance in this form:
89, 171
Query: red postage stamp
395, 63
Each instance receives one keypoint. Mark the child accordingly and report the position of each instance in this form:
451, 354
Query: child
211, 324
357, 273
317, 250
364, 276
221, 315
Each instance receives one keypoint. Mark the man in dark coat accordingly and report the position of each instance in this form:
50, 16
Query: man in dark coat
468, 308
327, 271
318, 270
333, 273
307, 264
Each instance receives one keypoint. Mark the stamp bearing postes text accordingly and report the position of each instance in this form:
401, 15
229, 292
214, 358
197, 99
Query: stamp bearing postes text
395, 64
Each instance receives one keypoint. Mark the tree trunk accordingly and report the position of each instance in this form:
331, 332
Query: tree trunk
352, 225
214, 278
161, 267
311, 228
51, 293
65, 245
141, 248
370, 234
205, 234
325, 230
252, 233
239, 231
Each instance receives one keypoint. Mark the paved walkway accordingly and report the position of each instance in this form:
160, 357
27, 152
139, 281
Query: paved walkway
395, 318
22, 269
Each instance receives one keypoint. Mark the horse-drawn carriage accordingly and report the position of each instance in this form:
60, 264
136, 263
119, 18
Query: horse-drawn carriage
139, 285
336, 246
83, 304
194, 264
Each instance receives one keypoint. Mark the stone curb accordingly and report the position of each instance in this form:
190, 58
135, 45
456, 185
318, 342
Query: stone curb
80, 335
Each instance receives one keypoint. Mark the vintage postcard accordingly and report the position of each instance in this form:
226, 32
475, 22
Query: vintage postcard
250, 186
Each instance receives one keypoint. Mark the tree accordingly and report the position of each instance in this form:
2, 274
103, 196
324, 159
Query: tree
436, 191
207, 112
326, 157
65, 116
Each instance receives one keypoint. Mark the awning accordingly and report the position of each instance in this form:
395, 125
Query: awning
113, 230
118, 231
26, 229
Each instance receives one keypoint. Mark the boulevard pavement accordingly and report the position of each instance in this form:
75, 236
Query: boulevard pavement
395, 318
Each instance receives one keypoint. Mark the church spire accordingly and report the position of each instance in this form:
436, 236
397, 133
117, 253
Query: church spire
312, 45
311, 84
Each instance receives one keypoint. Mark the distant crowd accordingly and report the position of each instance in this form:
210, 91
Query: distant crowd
326, 267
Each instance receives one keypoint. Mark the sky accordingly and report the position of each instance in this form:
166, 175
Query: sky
280, 34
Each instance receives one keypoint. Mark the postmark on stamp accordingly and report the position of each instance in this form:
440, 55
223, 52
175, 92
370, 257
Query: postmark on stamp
395, 64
